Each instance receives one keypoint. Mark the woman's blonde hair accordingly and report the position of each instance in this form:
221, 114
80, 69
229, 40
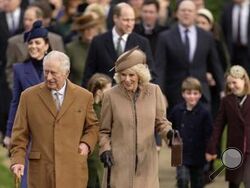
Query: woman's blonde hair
142, 72
238, 71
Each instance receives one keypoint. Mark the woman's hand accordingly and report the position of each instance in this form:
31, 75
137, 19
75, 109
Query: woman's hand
107, 158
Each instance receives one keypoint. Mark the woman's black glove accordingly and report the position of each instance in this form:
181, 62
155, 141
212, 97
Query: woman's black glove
170, 135
107, 158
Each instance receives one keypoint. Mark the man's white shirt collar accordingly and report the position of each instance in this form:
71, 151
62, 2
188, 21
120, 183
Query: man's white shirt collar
116, 35
61, 91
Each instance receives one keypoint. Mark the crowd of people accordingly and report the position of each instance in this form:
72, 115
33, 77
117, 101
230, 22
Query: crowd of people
97, 85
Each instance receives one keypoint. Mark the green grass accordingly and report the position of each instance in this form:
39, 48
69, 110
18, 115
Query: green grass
6, 178
218, 162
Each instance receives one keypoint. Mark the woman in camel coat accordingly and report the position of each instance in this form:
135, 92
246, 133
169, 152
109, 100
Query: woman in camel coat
131, 112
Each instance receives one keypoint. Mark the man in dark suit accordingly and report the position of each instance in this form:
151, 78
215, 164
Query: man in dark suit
105, 48
236, 30
149, 26
183, 51
10, 24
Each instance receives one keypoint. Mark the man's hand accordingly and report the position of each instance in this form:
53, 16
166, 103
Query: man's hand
83, 149
210, 157
18, 170
6, 142
210, 79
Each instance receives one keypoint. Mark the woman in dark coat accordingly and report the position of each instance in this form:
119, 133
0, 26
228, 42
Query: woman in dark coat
234, 112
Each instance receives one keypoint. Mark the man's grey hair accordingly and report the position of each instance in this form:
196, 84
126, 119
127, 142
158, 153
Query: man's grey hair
58, 56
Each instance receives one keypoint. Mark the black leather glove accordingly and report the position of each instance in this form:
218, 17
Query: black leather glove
107, 158
170, 135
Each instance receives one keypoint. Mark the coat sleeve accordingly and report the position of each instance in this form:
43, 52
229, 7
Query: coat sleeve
172, 118
106, 124
223, 21
150, 60
207, 124
91, 127
11, 59
17, 89
20, 133
218, 128
161, 122
216, 65
161, 63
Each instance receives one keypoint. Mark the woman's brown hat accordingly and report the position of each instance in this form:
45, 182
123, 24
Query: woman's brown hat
84, 22
129, 58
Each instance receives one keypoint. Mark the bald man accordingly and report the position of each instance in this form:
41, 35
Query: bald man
105, 48
183, 51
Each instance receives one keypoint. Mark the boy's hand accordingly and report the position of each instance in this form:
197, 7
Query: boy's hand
210, 157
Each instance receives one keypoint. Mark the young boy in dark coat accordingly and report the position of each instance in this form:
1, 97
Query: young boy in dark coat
194, 123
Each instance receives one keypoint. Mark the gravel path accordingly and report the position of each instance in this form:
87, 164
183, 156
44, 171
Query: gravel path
167, 173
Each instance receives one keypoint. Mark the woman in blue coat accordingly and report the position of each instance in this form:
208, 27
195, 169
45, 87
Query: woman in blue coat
28, 73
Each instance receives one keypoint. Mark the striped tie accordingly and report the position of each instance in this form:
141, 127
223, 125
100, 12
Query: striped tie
57, 101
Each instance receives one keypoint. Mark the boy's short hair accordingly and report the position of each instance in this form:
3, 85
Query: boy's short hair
191, 83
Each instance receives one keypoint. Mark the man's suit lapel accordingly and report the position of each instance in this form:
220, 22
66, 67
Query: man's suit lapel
198, 46
177, 41
248, 26
110, 45
130, 42
69, 98
47, 99
5, 26
230, 22
240, 112
31, 74
20, 26
244, 109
